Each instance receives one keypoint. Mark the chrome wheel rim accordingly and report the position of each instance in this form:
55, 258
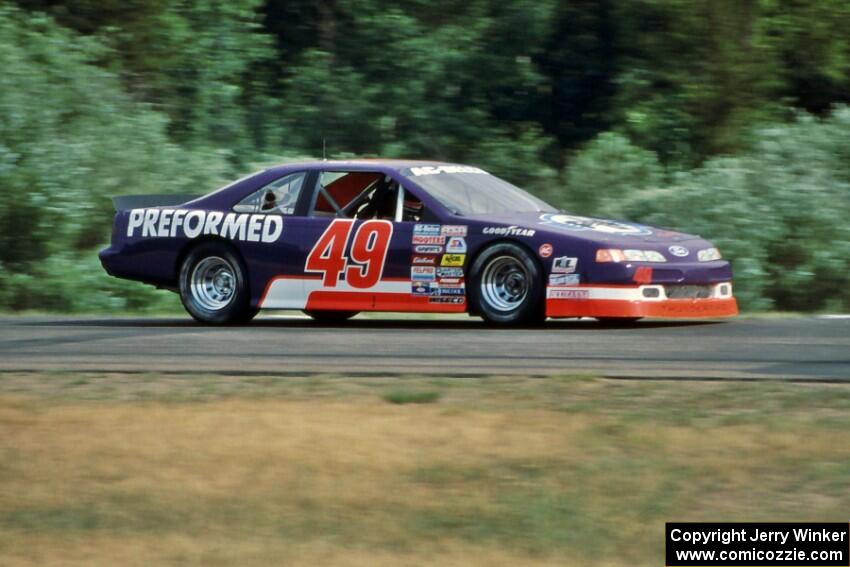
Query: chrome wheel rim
213, 283
505, 283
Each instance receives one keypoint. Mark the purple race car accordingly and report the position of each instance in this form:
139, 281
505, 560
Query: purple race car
334, 238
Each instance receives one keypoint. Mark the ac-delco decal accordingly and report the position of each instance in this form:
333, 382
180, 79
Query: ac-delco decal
437, 169
508, 231
572, 222
438, 230
429, 229
171, 223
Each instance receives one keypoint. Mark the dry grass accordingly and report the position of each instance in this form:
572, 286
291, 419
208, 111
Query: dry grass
194, 470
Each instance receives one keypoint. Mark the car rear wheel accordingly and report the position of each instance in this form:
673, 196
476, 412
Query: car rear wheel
214, 285
331, 316
507, 285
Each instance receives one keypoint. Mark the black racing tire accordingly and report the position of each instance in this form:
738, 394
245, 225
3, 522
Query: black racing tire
506, 285
214, 285
331, 316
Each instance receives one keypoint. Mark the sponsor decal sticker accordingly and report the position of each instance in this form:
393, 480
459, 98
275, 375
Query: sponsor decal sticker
679, 251
423, 288
577, 294
423, 273
453, 260
545, 250
185, 223
564, 279
508, 231
456, 245
424, 260
455, 300
573, 222
453, 230
450, 272
428, 249
429, 229
437, 169
426, 239
450, 281
451, 290
564, 265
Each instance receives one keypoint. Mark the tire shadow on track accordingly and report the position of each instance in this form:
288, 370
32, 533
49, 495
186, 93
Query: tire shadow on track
411, 324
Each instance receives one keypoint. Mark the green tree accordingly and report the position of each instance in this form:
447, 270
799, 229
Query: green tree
70, 138
204, 63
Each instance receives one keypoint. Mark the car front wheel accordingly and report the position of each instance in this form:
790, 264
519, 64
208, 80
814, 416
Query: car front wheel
507, 285
214, 285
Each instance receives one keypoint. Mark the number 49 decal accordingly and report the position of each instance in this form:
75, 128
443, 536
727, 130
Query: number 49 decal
365, 264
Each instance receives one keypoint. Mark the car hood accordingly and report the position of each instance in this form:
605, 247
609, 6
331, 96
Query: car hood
602, 231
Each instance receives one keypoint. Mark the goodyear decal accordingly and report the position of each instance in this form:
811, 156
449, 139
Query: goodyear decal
512, 230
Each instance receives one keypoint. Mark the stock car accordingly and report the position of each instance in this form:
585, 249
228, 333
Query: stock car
334, 238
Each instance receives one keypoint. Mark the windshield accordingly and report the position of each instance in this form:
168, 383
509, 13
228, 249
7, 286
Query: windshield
472, 191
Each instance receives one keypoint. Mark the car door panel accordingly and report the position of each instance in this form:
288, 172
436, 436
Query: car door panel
355, 265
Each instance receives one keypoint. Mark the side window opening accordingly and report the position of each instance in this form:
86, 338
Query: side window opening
365, 195
356, 195
278, 197
413, 210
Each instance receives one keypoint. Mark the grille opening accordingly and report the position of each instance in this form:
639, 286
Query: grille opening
688, 291
652, 292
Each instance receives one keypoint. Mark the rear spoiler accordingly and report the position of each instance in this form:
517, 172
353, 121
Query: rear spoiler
127, 202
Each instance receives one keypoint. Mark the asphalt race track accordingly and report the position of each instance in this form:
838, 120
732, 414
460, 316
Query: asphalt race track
792, 348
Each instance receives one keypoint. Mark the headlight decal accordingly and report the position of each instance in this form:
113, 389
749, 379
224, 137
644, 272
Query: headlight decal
605, 255
709, 255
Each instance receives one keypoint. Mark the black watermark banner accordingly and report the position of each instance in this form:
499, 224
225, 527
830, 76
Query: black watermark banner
753, 544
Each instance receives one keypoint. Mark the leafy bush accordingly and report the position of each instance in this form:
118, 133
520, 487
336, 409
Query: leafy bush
609, 169
70, 139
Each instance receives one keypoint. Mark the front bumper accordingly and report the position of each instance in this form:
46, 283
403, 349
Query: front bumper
635, 301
